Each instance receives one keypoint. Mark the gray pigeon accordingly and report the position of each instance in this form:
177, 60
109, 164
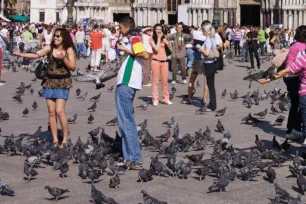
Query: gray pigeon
221, 112
170, 122
25, 112
147, 199
90, 119
301, 183
56, 192
5, 188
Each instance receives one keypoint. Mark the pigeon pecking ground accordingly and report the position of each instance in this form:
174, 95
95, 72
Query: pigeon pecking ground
255, 188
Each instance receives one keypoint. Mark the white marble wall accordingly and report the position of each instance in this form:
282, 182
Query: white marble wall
49, 7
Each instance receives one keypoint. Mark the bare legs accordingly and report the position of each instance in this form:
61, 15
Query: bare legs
192, 79
56, 107
206, 91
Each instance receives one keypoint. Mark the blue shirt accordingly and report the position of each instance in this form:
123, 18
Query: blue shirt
210, 43
229, 33
198, 39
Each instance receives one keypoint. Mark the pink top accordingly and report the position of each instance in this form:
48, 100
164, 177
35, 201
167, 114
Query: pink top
298, 66
293, 52
161, 54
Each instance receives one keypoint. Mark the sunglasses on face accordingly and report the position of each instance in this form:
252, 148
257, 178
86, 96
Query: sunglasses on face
57, 36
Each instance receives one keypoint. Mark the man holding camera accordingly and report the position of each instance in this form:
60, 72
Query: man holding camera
252, 39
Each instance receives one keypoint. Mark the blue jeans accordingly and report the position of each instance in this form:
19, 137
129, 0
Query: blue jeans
189, 57
125, 113
244, 54
303, 111
81, 48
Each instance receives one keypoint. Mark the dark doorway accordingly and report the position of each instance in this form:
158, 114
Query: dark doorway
172, 19
118, 16
250, 15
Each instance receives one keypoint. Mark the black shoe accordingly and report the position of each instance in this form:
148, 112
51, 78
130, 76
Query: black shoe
99, 86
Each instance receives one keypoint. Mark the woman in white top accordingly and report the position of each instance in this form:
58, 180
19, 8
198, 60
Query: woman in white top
48, 36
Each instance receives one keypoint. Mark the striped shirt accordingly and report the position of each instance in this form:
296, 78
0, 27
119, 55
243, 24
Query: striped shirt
299, 66
238, 35
130, 72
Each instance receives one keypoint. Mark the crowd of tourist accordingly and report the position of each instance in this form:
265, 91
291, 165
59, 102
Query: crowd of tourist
154, 51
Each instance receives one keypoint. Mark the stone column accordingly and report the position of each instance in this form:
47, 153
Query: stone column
304, 17
204, 15
145, 17
290, 20
77, 16
272, 16
295, 24
194, 15
234, 17
140, 17
189, 16
211, 15
200, 17
225, 16
262, 19
285, 19
149, 16
222, 17
300, 17
229, 18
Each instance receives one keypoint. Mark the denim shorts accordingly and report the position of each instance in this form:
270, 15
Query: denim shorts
56, 93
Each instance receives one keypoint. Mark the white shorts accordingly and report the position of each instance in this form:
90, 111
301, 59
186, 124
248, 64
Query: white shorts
105, 46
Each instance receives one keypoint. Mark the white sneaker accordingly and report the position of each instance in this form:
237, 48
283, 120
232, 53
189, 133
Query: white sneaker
155, 103
168, 103
147, 85
185, 81
173, 82
304, 143
2, 84
294, 135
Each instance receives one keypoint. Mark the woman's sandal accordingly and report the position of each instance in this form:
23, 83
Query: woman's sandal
208, 110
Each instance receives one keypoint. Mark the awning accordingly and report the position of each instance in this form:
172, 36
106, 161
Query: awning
4, 18
19, 18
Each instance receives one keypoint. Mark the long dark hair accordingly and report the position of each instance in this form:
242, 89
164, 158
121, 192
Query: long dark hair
300, 34
67, 41
155, 34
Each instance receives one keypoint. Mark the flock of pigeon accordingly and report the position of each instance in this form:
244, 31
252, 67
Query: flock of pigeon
102, 154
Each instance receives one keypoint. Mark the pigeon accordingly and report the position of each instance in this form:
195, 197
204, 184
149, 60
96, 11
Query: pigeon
82, 98
36, 134
186, 170
270, 174
275, 144
256, 100
25, 112
297, 200
34, 105
111, 88
202, 172
94, 132
279, 120
90, 119
233, 97
198, 83
31, 91
173, 89
5, 188
166, 135
301, 183
56, 192
221, 112
145, 175
220, 127
170, 122
258, 142
147, 199
221, 184
18, 98
143, 106
285, 146
171, 95
281, 193
93, 107
64, 168
223, 93
112, 122
98, 196
200, 111
262, 114
93, 175
274, 110
95, 98
29, 171
73, 119
296, 160
281, 106
114, 182
34, 79
78, 92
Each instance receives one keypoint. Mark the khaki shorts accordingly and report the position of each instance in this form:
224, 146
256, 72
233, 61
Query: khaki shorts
198, 66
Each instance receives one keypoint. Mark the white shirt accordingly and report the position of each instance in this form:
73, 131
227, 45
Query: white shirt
79, 37
146, 43
107, 36
4, 32
218, 39
48, 38
172, 31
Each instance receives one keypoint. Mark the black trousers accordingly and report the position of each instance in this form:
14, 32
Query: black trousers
295, 116
237, 47
253, 49
210, 70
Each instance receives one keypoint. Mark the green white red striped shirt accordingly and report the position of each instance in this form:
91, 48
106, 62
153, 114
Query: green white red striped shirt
130, 72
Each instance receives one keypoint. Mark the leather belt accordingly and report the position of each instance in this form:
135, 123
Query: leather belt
161, 61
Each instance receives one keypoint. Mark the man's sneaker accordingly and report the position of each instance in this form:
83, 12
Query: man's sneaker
304, 143
184, 81
1, 84
168, 103
136, 165
294, 135
147, 85
186, 101
173, 82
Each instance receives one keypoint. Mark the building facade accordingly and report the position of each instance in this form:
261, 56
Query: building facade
290, 13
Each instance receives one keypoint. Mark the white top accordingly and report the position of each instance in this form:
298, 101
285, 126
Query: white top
130, 72
146, 43
218, 39
4, 32
79, 36
107, 36
212, 44
48, 38
172, 31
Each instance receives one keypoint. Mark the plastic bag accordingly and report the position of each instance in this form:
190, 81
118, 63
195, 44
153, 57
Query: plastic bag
88, 52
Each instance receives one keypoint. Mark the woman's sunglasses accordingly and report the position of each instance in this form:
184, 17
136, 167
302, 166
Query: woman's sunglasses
57, 36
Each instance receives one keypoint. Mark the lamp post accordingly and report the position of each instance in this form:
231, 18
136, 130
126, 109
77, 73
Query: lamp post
216, 17
69, 22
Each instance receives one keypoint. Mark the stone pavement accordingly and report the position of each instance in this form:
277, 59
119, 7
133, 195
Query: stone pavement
174, 191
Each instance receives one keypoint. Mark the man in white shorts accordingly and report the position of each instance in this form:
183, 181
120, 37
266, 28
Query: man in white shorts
106, 42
